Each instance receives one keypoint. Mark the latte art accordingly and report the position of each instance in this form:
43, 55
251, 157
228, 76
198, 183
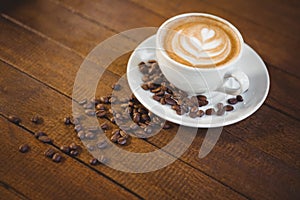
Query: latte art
202, 42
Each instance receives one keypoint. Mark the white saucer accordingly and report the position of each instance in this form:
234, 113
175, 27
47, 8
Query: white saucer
250, 63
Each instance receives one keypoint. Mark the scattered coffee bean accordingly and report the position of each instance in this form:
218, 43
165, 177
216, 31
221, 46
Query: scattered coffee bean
104, 126
114, 138
221, 112
14, 119
219, 106
37, 119
81, 135
56, 157
101, 113
45, 139
40, 133
112, 119
49, 153
116, 86
136, 117
100, 107
210, 111
193, 114
104, 99
82, 102
78, 128
122, 140
239, 98
232, 101
65, 149
156, 98
201, 98
200, 113
94, 161
145, 86
170, 101
24, 148
73, 146
228, 108
74, 153
67, 120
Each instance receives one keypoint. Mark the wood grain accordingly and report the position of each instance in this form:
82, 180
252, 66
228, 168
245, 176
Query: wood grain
169, 182
8, 193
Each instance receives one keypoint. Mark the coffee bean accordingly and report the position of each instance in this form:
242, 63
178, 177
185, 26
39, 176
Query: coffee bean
74, 153
112, 119
219, 106
81, 135
14, 119
134, 126
145, 78
90, 112
24, 148
104, 99
228, 108
94, 161
65, 149
194, 109
102, 144
136, 117
179, 112
156, 98
56, 157
221, 112
123, 134
239, 98
89, 135
73, 146
67, 120
203, 103
88, 105
100, 107
200, 113
175, 107
170, 101
113, 100
210, 111
104, 126
155, 90
82, 102
90, 147
40, 133
122, 140
193, 114
45, 139
201, 98
49, 153
37, 119
232, 101
101, 113
116, 86
78, 128
166, 126
152, 61
114, 138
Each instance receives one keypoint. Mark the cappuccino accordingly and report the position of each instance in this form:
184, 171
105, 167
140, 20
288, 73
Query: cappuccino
201, 41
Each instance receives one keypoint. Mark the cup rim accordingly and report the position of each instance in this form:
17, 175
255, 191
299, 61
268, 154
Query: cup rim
159, 46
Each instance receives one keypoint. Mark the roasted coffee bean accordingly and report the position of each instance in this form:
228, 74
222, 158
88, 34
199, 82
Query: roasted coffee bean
113, 100
90, 112
156, 98
88, 105
37, 119
221, 112
152, 61
200, 113
73, 146
104, 126
228, 108
24, 148
145, 78
90, 147
89, 135
101, 113
74, 153
169, 91
104, 99
82, 102
170, 101
56, 157
45, 139
166, 125
49, 153
162, 101
78, 128
136, 117
145, 86
185, 108
201, 98
14, 119
142, 125
102, 144
123, 134
148, 130
175, 107
122, 140
160, 93
100, 107
193, 114
40, 133
210, 111
116, 86
145, 117
155, 90
194, 100
114, 138
66, 149
134, 126
232, 101
67, 120
219, 106
112, 119
194, 109
202, 103
179, 112
239, 98
94, 161
81, 135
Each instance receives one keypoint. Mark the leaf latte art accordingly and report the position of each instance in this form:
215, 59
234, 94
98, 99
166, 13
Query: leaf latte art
199, 44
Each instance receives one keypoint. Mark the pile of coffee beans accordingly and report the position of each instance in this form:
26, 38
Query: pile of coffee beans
167, 94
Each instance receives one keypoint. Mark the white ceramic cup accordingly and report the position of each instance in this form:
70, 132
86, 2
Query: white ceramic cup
199, 80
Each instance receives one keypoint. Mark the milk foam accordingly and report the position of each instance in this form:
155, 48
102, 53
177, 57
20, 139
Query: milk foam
201, 45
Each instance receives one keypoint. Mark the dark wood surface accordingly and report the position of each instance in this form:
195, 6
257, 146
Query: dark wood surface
42, 45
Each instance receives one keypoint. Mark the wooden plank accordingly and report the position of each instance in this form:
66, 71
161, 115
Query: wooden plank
274, 48
31, 11
36, 176
174, 181
7, 193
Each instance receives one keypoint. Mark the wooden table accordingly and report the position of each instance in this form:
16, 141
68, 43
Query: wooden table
42, 45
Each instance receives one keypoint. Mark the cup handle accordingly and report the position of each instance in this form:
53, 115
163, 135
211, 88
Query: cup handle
241, 78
